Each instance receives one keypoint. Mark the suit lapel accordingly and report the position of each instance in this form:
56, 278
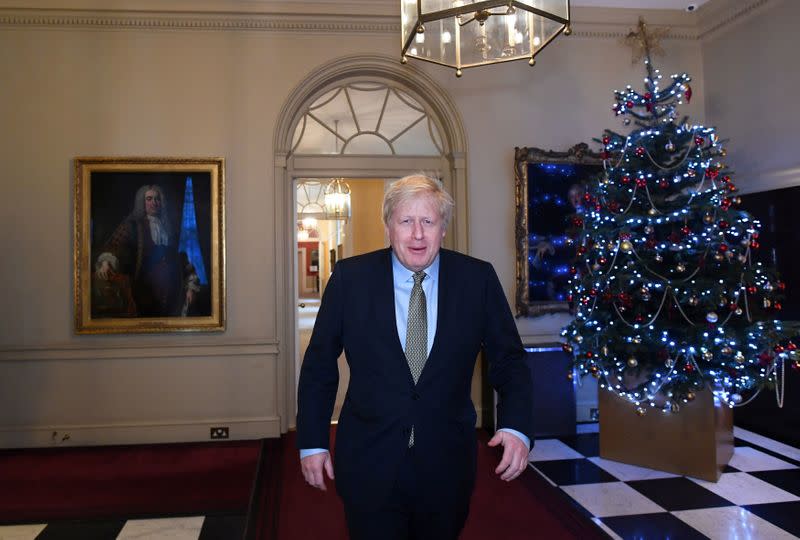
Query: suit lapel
384, 302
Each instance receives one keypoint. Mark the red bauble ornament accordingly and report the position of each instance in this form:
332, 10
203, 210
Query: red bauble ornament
688, 94
726, 178
613, 206
688, 368
777, 306
699, 140
573, 270
581, 250
640, 151
639, 318
589, 354
624, 235
606, 140
751, 289
648, 95
781, 285
629, 104
685, 229
569, 298
578, 222
733, 306
754, 244
726, 203
723, 248
641, 182
796, 366
664, 183
625, 179
602, 260
593, 292
779, 349
754, 235
791, 346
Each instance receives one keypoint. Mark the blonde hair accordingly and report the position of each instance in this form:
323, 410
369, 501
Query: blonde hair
412, 186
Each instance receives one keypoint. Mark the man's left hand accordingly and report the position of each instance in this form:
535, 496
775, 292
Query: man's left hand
515, 455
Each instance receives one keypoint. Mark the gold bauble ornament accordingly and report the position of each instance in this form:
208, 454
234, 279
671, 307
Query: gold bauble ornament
637, 339
652, 211
739, 357
641, 411
727, 350
708, 356
632, 362
767, 302
708, 218
690, 396
604, 350
719, 256
579, 339
570, 376
625, 245
693, 301
681, 267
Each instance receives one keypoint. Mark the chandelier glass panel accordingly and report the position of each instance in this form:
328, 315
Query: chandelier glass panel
469, 33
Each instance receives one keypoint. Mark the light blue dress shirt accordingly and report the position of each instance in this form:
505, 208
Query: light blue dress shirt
403, 282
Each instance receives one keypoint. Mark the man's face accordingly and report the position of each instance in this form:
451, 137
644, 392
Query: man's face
415, 231
152, 203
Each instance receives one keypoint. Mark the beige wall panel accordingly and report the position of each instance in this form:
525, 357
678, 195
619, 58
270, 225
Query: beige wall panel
752, 79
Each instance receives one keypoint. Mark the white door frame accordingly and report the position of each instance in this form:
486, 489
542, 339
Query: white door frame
451, 168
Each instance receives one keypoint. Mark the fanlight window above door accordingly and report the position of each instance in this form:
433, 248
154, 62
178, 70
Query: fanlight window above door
367, 119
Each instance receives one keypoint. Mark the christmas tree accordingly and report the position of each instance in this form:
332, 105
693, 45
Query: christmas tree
667, 291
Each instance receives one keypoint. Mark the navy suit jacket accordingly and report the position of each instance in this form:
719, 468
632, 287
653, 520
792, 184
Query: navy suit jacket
357, 314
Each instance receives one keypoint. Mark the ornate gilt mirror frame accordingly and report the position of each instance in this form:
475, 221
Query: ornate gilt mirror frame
544, 180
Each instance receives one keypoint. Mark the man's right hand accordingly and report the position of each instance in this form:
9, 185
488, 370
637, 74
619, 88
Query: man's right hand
105, 271
312, 467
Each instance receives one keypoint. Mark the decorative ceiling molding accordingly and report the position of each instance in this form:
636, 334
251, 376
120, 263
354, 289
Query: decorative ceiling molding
718, 15
588, 23
226, 22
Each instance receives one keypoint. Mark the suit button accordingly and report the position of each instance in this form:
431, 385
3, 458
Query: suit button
415, 396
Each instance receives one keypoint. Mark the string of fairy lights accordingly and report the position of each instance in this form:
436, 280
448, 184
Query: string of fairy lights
668, 297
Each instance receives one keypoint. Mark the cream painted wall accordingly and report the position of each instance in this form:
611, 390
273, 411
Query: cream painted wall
751, 100
75, 89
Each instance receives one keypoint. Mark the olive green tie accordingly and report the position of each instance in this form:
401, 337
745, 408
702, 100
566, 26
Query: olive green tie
417, 333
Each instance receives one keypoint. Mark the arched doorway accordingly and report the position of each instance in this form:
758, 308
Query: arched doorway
307, 146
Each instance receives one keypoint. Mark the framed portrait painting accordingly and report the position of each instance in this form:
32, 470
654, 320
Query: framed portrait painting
149, 245
549, 188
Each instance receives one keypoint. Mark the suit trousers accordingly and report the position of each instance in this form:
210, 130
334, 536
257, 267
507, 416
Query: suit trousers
404, 516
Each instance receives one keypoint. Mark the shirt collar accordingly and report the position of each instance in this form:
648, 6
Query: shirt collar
403, 274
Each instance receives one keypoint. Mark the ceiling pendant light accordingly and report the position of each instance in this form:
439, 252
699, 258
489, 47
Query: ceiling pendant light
468, 33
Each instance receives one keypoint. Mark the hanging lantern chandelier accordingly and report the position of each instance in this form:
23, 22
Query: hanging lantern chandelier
468, 33
337, 200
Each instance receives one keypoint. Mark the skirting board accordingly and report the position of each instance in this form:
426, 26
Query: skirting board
139, 433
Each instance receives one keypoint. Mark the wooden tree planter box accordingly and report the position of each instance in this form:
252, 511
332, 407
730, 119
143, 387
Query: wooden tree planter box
697, 441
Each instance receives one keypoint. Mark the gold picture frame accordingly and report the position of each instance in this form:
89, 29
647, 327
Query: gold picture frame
544, 180
149, 245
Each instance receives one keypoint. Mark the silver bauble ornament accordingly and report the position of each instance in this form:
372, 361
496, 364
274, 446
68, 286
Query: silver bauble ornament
712, 317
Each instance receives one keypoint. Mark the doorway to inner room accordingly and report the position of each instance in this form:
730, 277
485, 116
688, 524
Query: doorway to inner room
320, 242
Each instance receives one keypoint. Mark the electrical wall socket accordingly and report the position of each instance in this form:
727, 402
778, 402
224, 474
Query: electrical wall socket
220, 432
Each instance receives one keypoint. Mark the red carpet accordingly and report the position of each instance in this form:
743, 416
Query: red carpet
43, 485
523, 509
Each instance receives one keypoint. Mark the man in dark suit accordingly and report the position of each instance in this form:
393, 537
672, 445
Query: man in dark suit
411, 320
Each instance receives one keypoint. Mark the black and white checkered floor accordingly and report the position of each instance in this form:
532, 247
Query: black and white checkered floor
757, 496
179, 528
